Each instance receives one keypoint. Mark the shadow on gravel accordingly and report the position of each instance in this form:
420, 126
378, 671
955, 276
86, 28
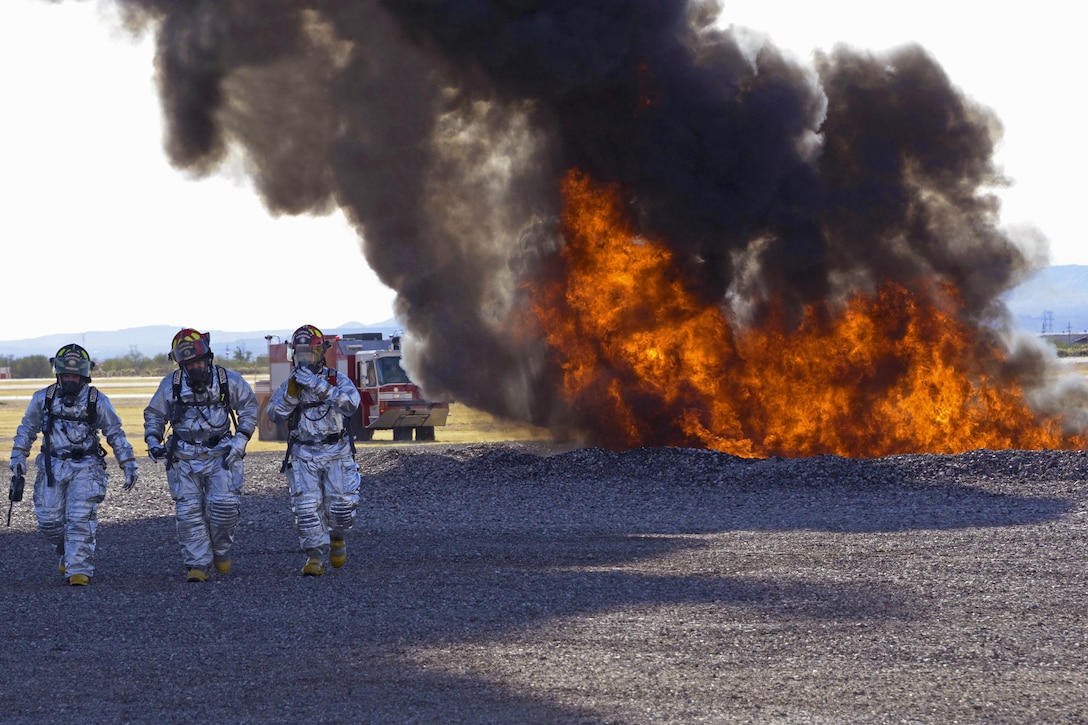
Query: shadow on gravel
266, 645
466, 547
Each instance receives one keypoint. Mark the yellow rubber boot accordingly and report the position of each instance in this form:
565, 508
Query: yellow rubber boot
196, 575
313, 567
338, 553
222, 566
79, 580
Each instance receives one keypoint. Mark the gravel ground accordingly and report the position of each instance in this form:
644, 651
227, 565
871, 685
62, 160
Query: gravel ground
513, 583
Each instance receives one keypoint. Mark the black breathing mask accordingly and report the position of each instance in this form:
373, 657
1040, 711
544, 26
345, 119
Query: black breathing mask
69, 389
199, 377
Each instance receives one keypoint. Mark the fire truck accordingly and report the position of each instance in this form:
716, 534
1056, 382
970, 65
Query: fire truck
389, 400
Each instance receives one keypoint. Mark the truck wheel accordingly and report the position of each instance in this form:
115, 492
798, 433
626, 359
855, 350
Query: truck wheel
402, 434
425, 433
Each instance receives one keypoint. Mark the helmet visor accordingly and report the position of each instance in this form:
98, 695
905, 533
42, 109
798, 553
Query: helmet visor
308, 354
188, 350
72, 363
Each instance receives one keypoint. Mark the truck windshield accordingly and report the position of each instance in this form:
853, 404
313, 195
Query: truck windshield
390, 371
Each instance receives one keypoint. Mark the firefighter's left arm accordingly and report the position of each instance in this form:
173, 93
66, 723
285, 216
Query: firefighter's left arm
244, 401
345, 397
110, 424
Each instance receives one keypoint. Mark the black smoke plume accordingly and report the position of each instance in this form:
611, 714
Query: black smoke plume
442, 129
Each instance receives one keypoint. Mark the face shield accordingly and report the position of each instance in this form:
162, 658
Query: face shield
311, 356
188, 350
72, 364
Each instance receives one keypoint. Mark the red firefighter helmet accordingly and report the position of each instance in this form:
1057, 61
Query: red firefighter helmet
308, 346
72, 360
189, 345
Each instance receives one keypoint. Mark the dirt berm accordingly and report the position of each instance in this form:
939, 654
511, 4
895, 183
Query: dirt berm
513, 583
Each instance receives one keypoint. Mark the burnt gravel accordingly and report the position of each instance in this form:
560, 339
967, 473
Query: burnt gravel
519, 583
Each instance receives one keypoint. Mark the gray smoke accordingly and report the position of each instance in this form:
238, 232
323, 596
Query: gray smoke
443, 127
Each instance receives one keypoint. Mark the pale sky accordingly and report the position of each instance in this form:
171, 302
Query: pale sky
101, 233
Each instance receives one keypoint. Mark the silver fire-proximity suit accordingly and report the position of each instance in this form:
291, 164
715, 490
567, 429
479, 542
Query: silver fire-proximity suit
69, 488
206, 492
322, 475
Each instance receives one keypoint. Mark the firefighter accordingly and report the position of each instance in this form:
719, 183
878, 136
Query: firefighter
71, 473
322, 476
199, 421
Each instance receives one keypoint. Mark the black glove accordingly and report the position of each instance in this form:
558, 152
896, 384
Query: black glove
15, 490
157, 452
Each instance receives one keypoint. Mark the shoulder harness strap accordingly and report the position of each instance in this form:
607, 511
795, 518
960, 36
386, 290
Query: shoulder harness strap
47, 429
224, 386
176, 382
50, 396
224, 394
92, 405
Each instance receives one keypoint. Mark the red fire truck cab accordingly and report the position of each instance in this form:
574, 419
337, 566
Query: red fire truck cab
389, 400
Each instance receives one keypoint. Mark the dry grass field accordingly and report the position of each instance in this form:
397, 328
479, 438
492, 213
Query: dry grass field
130, 395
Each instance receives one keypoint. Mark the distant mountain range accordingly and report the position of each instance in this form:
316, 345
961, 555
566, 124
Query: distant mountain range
155, 340
1054, 301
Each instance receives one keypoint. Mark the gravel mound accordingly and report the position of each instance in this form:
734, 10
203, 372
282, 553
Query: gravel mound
525, 583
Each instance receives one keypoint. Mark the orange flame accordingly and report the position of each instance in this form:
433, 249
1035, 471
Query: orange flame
644, 362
